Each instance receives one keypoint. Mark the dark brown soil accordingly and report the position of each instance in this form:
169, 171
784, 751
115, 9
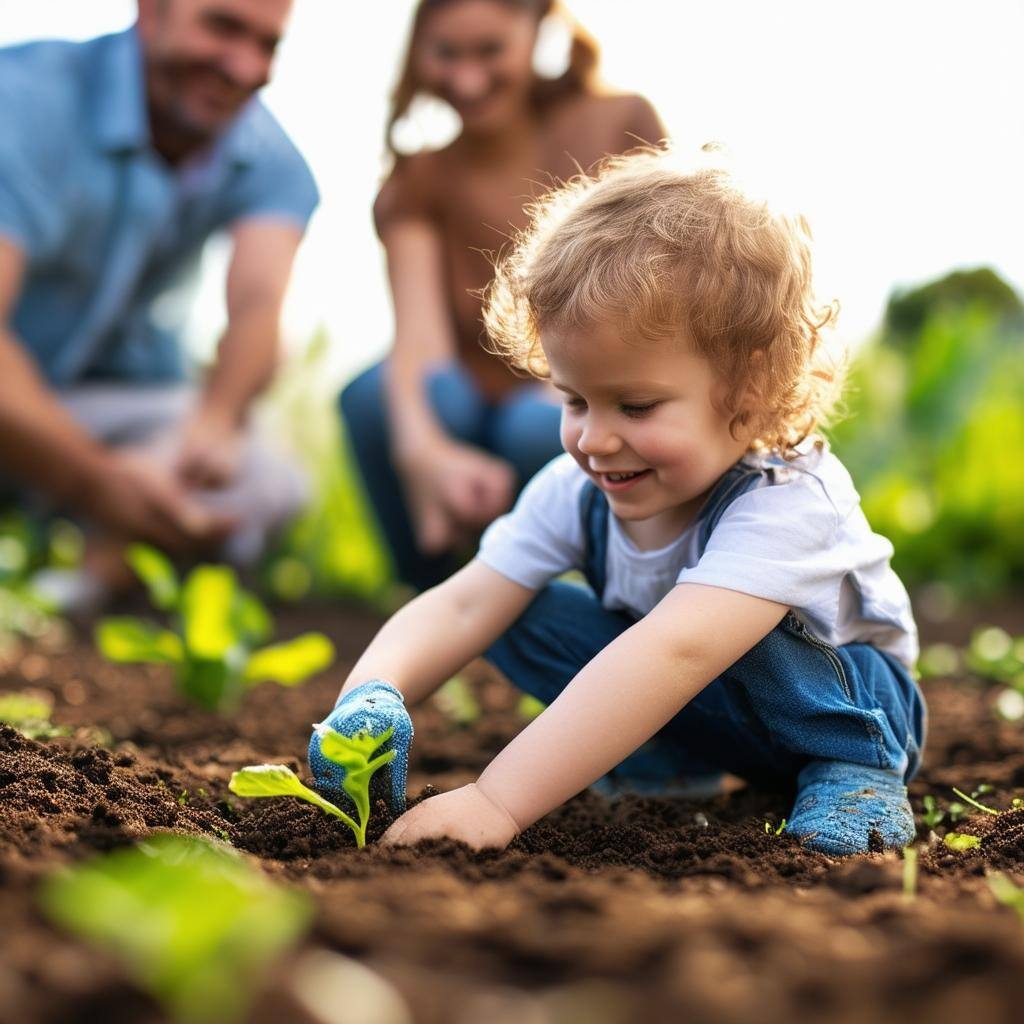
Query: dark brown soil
603, 913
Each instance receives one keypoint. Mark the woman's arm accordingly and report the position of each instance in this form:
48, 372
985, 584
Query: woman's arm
618, 701
440, 631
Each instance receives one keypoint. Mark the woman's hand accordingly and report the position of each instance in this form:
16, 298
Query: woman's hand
465, 814
454, 491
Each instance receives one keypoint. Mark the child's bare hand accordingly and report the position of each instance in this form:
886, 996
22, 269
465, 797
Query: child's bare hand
464, 814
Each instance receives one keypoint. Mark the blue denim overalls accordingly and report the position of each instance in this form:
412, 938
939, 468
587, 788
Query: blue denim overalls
790, 700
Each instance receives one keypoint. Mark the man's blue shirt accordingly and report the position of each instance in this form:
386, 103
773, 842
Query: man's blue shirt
107, 227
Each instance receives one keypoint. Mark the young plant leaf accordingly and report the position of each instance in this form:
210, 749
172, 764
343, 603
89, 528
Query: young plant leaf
252, 618
291, 662
354, 754
207, 605
125, 639
263, 780
974, 803
457, 701
961, 841
195, 925
157, 573
29, 713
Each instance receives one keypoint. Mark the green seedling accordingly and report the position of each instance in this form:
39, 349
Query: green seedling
194, 924
217, 629
30, 713
961, 841
933, 814
909, 874
457, 702
974, 802
775, 830
994, 654
353, 753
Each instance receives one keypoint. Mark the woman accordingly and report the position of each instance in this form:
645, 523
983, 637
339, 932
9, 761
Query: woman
444, 434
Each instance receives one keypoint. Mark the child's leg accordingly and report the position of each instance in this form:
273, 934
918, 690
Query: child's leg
847, 724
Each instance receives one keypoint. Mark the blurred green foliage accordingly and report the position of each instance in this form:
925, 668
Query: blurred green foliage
195, 925
934, 431
334, 548
218, 626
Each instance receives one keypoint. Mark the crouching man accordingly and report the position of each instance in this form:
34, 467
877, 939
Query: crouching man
119, 157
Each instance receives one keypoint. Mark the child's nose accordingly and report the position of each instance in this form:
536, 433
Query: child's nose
598, 439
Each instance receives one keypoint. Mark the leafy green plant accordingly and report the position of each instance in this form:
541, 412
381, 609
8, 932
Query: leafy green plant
353, 753
775, 830
217, 629
30, 713
194, 924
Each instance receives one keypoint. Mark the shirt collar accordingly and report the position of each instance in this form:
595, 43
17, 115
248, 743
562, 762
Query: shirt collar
119, 115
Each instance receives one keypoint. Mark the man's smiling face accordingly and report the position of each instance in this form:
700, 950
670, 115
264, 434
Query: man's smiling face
644, 420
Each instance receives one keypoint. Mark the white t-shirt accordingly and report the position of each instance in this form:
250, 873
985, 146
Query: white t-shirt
799, 538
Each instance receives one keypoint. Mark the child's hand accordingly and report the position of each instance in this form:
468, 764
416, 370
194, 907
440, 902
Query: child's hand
375, 706
464, 814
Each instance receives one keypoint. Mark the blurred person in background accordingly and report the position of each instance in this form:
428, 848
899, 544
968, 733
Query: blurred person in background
119, 157
444, 434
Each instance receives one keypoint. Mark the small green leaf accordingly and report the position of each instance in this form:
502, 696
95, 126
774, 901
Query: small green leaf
18, 708
131, 640
263, 780
529, 707
961, 841
252, 618
291, 662
157, 573
207, 606
457, 701
354, 753
194, 924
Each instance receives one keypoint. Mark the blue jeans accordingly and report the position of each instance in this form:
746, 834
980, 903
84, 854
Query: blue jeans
791, 699
522, 429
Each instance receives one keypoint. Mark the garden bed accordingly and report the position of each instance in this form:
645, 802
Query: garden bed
603, 913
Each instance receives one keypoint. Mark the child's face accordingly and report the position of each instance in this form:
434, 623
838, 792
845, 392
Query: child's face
642, 420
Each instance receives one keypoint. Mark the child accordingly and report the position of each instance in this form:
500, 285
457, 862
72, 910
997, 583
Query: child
741, 615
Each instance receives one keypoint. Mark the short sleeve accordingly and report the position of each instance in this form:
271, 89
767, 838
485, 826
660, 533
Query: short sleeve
278, 181
406, 194
542, 536
781, 543
29, 206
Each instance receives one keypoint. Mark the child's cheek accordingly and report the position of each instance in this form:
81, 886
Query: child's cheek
569, 433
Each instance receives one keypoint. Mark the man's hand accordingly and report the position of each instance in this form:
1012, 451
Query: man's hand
465, 814
138, 498
455, 490
211, 449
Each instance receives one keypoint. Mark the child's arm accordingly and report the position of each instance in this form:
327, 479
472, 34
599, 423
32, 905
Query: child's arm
439, 632
616, 702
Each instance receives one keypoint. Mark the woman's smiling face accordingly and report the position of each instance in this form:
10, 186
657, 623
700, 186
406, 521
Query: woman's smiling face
644, 420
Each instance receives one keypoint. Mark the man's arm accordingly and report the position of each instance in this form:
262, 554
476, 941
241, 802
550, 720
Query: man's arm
44, 446
261, 265
636, 685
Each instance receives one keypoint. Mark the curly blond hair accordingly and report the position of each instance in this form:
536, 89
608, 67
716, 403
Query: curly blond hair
659, 249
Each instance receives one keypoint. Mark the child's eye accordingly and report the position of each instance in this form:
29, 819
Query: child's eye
574, 403
636, 411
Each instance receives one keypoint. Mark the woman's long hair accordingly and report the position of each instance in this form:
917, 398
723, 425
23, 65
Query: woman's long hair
579, 76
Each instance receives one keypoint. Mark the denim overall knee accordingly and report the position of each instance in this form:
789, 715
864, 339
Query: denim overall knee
790, 700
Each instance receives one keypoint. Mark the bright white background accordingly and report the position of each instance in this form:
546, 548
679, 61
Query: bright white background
895, 123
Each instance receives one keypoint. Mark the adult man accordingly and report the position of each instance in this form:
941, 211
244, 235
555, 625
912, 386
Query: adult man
118, 158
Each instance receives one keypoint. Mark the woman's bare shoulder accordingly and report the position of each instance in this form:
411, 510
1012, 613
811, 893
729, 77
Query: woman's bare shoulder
609, 122
410, 190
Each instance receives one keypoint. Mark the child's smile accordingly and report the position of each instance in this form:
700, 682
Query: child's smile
642, 419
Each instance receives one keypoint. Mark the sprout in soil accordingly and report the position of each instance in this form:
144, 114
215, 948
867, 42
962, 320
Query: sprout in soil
932, 815
961, 841
775, 830
30, 713
353, 753
217, 629
194, 923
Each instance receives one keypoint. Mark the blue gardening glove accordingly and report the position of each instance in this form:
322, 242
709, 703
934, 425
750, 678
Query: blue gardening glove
375, 706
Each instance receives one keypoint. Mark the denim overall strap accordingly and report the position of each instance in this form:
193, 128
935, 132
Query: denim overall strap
594, 516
